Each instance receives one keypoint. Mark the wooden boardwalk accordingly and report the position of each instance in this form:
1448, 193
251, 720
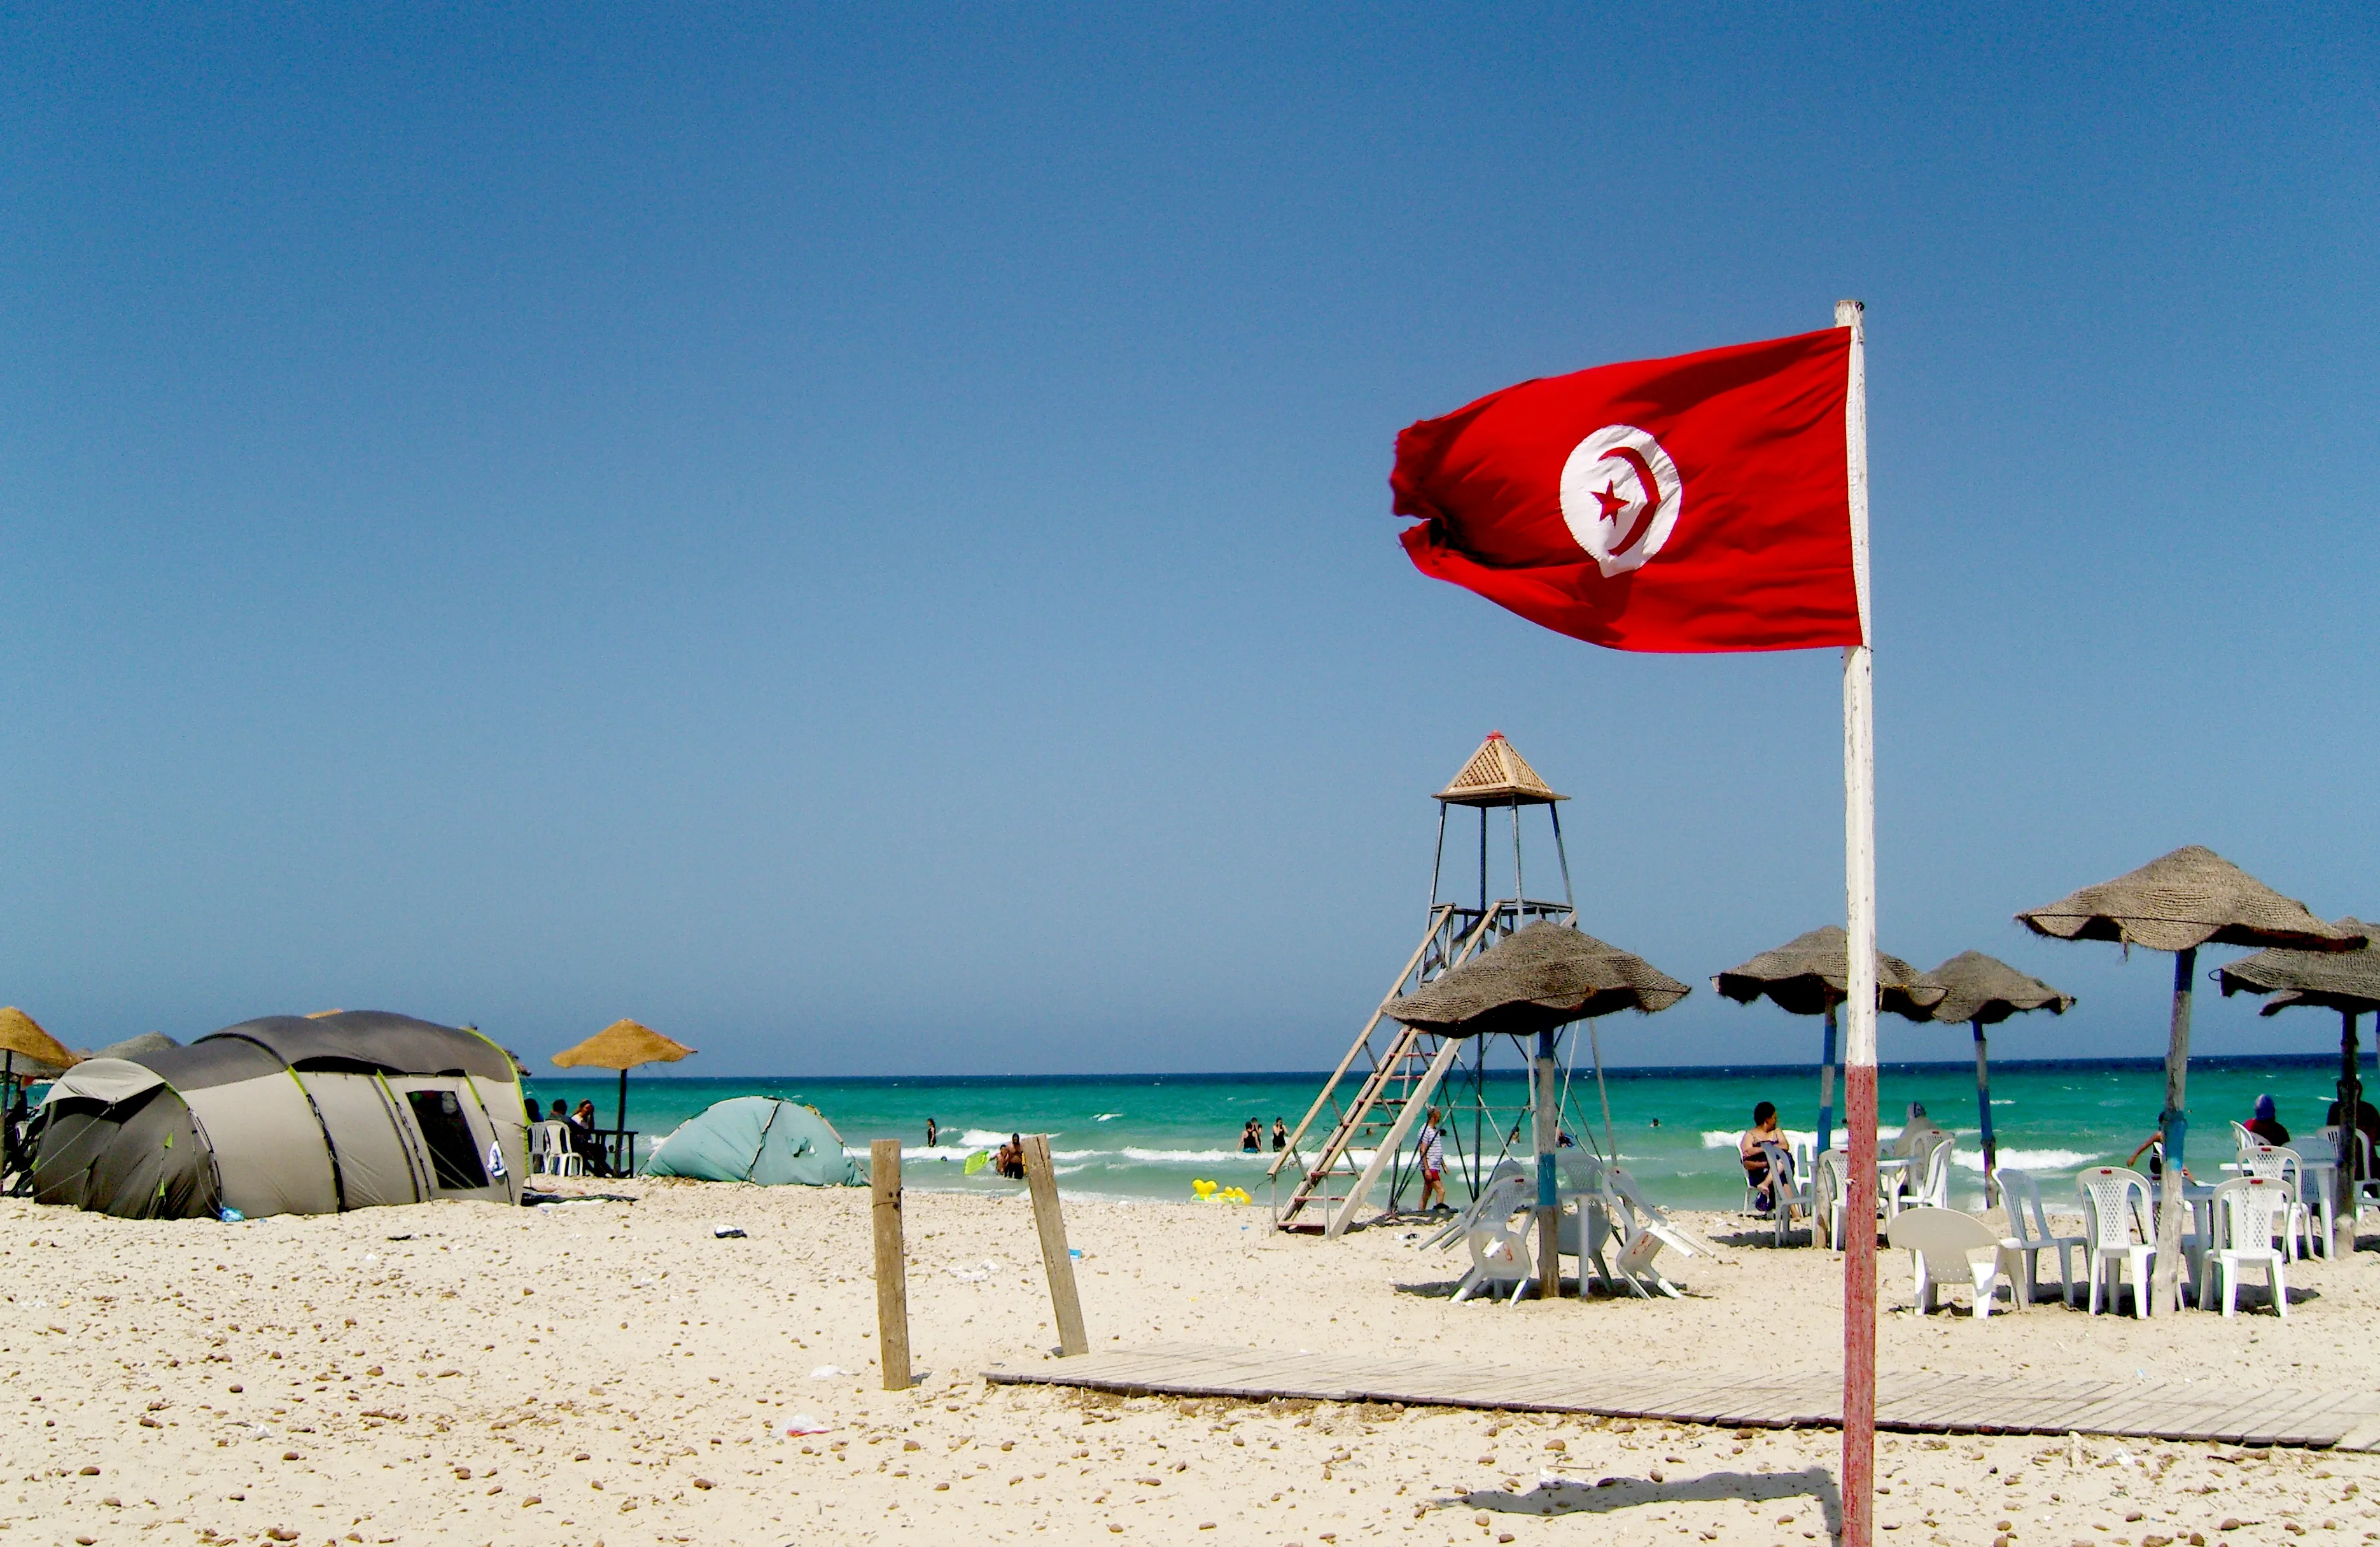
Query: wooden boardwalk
1912, 1403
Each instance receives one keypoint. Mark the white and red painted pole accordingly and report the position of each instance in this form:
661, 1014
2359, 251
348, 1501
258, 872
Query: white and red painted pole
1858, 1479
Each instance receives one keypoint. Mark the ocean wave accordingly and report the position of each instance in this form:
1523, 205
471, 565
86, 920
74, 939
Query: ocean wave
1727, 1138
1183, 1157
1078, 1159
1107, 1117
2028, 1160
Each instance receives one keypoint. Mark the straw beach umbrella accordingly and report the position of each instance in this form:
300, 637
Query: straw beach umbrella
1986, 991
22, 1038
2347, 982
1532, 983
623, 1045
2190, 897
1810, 975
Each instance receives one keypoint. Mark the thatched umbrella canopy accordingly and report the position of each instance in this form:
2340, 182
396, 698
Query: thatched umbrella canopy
1986, 991
2190, 897
1533, 983
22, 1038
1809, 975
623, 1045
1539, 979
133, 1047
2347, 982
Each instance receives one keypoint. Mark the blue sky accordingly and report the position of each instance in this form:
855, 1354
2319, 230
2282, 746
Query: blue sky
860, 537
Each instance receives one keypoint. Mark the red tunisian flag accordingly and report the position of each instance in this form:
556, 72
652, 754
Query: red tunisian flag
1695, 504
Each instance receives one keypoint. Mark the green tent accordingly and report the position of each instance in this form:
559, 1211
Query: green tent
766, 1139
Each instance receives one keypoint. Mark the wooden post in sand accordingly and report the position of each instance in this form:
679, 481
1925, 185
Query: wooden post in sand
891, 1277
1055, 1259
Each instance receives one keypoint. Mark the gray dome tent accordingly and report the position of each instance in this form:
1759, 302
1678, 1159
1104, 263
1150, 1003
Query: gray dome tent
288, 1114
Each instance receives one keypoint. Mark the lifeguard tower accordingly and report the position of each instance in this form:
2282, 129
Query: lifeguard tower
1356, 1139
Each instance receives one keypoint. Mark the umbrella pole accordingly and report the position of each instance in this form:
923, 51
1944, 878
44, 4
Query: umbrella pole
2175, 1125
1826, 1085
1983, 1108
1611, 1145
627, 1162
2351, 1153
1548, 1195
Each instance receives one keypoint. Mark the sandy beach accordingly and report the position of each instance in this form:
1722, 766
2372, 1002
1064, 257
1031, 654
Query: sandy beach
612, 1372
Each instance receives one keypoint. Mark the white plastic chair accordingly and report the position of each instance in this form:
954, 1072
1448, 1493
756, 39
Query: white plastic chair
2358, 1193
1789, 1188
2367, 1189
1941, 1244
2115, 1202
1829, 1190
2029, 1227
1751, 1190
2247, 1209
1927, 1180
550, 1152
1459, 1223
1589, 1215
2288, 1167
1643, 1230
1581, 1180
1831, 1196
1500, 1246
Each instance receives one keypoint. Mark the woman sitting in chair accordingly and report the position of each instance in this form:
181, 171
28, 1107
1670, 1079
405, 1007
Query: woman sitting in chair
1764, 1130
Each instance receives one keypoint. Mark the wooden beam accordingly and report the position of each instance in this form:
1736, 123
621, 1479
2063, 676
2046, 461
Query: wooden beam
1436, 921
1056, 1260
892, 1276
1378, 1081
1395, 1140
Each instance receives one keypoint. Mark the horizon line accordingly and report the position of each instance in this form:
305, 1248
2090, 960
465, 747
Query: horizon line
1637, 1071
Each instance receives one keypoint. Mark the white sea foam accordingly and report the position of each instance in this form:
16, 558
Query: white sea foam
1727, 1138
1078, 1159
2029, 1160
1107, 1117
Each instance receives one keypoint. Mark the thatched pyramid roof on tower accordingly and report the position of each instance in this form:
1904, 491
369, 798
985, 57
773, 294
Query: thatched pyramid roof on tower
1497, 775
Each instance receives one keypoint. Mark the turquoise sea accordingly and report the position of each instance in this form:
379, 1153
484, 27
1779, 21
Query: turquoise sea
1148, 1136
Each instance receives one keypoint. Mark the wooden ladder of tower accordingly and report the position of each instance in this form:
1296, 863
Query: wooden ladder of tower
1399, 1076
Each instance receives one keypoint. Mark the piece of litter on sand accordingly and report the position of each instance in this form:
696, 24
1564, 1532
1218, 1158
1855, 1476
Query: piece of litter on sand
727, 1232
830, 1373
806, 1423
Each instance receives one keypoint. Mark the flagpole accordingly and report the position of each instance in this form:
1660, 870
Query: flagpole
1858, 1479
